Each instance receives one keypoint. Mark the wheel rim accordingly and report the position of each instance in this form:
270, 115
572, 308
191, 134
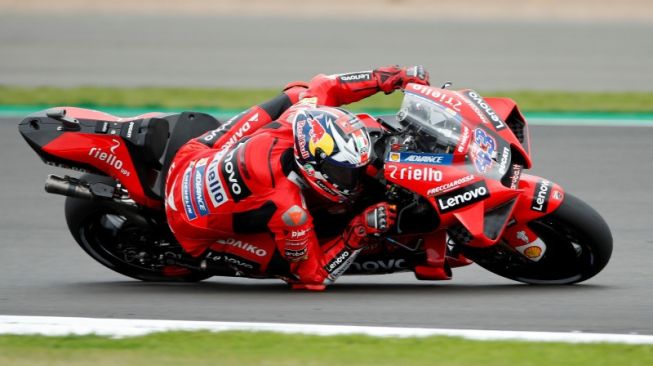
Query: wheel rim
118, 243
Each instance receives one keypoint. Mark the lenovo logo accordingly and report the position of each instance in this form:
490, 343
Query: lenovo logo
541, 198
462, 197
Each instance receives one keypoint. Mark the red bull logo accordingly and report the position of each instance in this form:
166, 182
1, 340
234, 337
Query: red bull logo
319, 139
317, 131
301, 139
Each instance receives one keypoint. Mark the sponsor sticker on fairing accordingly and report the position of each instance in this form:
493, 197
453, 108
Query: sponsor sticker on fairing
557, 195
443, 97
450, 185
421, 174
110, 158
521, 235
542, 194
505, 158
464, 139
389, 265
534, 250
485, 108
420, 158
483, 150
516, 174
463, 197
233, 261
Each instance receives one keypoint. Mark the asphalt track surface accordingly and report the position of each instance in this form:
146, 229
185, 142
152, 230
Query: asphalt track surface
44, 272
184, 50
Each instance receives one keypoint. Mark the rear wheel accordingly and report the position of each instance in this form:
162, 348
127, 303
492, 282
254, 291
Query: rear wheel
125, 241
578, 246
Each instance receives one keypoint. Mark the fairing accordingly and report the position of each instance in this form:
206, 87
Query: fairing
104, 144
466, 160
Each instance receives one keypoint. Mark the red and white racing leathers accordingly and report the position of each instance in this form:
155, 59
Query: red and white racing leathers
235, 192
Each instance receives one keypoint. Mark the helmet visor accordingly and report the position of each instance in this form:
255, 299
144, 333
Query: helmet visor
346, 178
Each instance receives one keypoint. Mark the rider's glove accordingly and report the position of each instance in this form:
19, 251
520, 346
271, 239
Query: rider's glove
380, 218
375, 220
392, 78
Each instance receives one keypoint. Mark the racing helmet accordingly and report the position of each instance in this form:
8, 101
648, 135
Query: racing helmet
332, 150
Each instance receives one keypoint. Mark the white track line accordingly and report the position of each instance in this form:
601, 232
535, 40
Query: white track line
58, 326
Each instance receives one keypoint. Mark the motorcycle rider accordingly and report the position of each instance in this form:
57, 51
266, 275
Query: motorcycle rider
236, 195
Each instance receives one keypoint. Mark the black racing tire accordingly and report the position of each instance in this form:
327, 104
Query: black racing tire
578, 246
103, 229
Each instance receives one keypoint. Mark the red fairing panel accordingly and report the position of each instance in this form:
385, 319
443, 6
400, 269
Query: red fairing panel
107, 153
502, 106
539, 197
369, 121
475, 110
444, 185
507, 108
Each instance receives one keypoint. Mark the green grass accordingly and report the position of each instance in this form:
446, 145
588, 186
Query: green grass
243, 348
238, 99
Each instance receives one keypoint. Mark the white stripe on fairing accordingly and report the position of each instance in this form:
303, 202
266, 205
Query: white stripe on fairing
59, 326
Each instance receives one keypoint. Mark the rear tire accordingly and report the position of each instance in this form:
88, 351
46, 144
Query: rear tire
578, 246
123, 240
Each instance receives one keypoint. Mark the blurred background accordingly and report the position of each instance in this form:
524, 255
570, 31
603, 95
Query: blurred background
588, 45
550, 47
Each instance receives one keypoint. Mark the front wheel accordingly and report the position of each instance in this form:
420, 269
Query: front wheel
578, 246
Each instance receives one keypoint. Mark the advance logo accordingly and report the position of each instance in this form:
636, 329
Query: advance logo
462, 197
420, 158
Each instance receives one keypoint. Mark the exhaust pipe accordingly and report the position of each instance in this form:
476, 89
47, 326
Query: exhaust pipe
68, 186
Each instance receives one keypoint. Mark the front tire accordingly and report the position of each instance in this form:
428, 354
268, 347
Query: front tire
578, 246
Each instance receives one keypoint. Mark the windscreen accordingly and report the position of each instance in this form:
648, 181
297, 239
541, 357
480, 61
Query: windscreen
438, 126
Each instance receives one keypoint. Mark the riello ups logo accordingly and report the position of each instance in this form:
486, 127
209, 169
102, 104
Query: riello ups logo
462, 197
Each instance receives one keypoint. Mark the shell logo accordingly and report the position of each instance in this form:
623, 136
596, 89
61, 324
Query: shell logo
533, 252
394, 157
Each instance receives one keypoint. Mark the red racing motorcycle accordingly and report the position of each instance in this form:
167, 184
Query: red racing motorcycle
451, 161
